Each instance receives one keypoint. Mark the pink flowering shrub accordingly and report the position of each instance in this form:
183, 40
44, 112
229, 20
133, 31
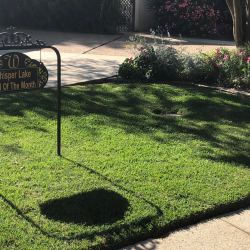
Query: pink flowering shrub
189, 18
161, 61
224, 29
228, 68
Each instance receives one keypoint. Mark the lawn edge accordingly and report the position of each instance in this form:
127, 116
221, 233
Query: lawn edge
116, 80
204, 216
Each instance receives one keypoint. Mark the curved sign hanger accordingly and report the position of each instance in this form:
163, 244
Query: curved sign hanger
18, 72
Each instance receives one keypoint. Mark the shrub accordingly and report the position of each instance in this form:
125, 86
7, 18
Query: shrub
129, 70
157, 62
110, 15
163, 62
221, 67
199, 70
71, 15
195, 18
233, 66
188, 18
142, 66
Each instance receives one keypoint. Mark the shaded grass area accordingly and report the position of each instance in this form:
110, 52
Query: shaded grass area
128, 170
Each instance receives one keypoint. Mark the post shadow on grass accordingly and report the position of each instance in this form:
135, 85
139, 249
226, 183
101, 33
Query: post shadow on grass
20, 213
91, 171
96, 207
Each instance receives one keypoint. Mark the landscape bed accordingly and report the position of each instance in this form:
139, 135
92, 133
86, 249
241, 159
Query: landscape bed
137, 161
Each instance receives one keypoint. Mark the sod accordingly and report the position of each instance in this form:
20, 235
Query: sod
130, 167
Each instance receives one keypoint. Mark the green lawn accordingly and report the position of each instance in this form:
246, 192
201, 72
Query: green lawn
128, 170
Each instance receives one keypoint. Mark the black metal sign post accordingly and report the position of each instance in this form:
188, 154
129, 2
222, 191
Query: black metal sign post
20, 73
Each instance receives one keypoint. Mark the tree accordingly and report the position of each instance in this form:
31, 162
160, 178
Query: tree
241, 38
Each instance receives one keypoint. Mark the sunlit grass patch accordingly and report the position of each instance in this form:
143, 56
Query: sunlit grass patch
127, 171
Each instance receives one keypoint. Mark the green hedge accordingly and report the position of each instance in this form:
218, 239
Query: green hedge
70, 15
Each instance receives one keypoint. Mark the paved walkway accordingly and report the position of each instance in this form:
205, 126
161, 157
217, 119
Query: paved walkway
82, 63
228, 232
78, 68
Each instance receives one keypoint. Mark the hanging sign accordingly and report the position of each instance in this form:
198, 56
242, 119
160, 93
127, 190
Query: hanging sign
18, 72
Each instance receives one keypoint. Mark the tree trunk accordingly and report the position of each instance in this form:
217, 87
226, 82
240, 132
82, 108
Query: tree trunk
247, 36
238, 23
236, 13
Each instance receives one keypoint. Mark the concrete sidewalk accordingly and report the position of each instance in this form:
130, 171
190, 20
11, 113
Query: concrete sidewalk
228, 232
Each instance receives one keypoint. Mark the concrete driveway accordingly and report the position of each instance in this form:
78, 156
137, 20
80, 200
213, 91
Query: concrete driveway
114, 45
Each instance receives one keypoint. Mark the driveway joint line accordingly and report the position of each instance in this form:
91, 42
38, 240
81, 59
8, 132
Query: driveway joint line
102, 45
242, 230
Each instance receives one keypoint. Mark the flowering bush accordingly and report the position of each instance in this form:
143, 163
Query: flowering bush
220, 67
163, 62
159, 62
189, 18
196, 68
142, 66
233, 67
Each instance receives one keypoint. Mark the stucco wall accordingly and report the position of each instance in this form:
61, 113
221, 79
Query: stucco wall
143, 18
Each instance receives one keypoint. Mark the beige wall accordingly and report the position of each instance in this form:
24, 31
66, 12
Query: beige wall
143, 18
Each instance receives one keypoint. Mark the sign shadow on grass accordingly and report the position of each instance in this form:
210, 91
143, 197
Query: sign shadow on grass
82, 203
96, 207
